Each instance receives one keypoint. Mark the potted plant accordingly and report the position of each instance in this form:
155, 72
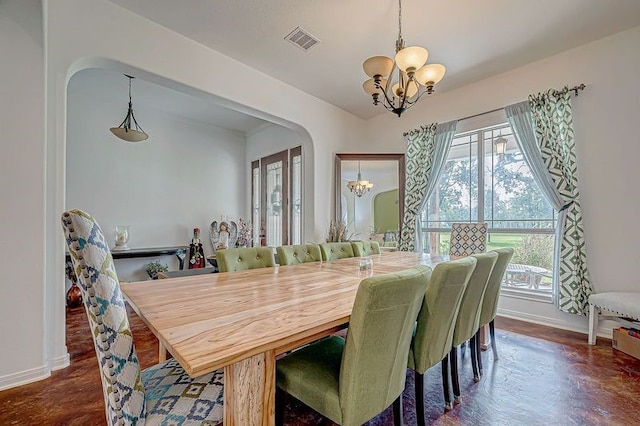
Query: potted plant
154, 268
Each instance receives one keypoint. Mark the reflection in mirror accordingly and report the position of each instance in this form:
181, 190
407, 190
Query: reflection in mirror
376, 213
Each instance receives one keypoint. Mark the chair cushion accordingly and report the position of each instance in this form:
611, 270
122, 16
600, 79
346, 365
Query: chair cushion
172, 397
623, 304
312, 374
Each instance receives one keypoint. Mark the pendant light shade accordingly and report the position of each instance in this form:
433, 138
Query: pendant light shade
125, 131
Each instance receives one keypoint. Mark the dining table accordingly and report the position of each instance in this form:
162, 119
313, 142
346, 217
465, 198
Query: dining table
241, 321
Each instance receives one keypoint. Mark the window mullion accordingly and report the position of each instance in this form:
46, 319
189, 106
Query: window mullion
480, 176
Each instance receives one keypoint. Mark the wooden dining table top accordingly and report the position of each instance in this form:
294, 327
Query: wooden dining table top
211, 321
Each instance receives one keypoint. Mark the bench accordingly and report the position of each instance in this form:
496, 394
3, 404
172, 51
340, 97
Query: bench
612, 305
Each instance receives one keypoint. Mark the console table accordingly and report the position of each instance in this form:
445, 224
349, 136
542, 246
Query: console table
179, 251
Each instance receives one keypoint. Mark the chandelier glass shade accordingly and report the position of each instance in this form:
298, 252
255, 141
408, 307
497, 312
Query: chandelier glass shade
125, 131
359, 187
398, 84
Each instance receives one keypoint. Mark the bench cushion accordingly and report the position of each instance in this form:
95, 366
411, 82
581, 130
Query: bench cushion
623, 304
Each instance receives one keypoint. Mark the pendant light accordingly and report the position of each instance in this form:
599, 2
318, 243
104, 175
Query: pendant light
124, 131
359, 186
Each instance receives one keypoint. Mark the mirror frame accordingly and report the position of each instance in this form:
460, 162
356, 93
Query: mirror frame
400, 158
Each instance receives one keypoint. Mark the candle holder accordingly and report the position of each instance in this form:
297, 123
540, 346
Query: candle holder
121, 237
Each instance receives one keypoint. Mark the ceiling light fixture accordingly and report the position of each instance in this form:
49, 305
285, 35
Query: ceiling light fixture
400, 91
124, 131
359, 187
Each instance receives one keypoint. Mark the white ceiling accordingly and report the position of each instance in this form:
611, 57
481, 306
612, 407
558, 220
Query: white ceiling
473, 39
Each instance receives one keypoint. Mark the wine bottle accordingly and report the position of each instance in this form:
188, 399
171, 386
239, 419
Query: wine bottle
196, 252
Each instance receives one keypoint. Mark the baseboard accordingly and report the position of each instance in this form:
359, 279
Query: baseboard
60, 362
23, 377
605, 332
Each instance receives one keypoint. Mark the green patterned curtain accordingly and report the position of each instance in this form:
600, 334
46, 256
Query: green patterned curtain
553, 126
427, 151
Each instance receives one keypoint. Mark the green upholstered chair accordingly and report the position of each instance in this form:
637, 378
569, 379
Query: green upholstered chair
160, 394
240, 259
434, 329
292, 255
334, 251
365, 248
352, 380
491, 295
468, 318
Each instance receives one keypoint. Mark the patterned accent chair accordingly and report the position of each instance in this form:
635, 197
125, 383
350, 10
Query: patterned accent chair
352, 380
365, 248
241, 259
435, 325
468, 318
467, 239
161, 394
293, 255
490, 300
335, 251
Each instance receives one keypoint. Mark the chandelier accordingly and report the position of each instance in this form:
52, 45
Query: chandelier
124, 131
359, 186
399, 91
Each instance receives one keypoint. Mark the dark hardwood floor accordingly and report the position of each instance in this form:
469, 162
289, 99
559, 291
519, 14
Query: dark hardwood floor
544, 376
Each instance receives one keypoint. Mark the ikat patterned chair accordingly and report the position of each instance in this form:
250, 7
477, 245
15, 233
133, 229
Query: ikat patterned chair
335, 251
365, 248
467, 239
161, 394
293, 255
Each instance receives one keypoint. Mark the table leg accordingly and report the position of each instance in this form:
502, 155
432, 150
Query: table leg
162, 352
249, 391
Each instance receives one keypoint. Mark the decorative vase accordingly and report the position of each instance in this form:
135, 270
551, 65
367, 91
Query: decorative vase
74, 296
121, 236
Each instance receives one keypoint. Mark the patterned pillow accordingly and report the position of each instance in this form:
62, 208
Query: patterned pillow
468, 239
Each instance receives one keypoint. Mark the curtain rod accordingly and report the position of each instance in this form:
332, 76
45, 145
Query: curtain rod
574, 89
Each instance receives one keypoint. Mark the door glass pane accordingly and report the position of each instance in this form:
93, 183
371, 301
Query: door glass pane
255, 208
274, 204
296, 196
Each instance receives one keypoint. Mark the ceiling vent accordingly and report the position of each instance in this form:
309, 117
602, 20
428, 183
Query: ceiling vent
302, 39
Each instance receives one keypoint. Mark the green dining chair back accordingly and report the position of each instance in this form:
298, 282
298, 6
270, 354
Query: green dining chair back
334, 251
435, 325
352, 380
492, 294
295, 254
160, 394
365, 248
468, 318
241, 259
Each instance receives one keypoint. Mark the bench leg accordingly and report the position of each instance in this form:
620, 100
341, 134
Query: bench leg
593, 324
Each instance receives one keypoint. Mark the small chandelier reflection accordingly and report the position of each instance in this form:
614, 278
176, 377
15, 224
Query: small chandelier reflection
124, 131
359, 186
501, 145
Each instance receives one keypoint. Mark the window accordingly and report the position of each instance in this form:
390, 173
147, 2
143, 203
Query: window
482, 183
275, 180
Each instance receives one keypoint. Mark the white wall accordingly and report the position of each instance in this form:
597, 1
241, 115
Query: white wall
22, 153
605, 117
187, 174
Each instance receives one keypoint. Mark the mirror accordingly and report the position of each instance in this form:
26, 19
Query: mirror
376, 214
